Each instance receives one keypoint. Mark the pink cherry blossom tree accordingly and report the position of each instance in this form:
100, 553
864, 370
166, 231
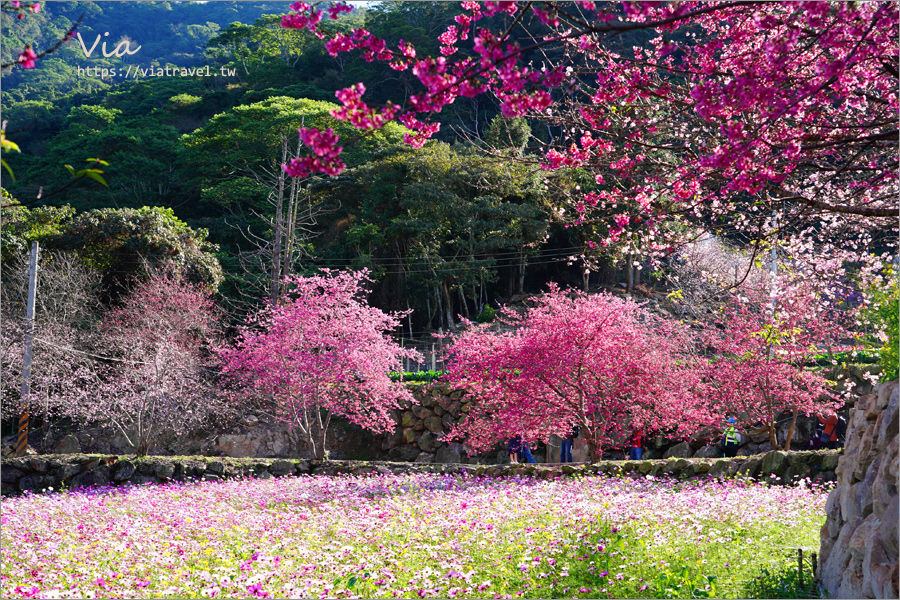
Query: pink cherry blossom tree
597, 361
761, 345
322, 352
773, 121
156, 363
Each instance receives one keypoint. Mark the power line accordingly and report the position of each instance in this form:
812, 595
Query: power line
415, 260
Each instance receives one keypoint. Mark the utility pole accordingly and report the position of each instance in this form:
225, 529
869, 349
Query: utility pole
29, 342
774, 266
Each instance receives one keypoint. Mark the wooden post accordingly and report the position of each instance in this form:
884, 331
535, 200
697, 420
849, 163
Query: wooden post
800, 566
29, 343
629, 274
815, 564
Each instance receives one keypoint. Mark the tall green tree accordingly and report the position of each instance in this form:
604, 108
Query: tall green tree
435, 225
129, 243
237, 158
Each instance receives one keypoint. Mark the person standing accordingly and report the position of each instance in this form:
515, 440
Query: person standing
515, 446
565, 449
525, 452
731, 439
829, 435
637, 443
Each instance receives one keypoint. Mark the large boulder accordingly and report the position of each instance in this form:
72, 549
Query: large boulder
280, 468
164, 470
123, 471
422, 413
69, 444
774, 463
403, 453
97, 477
710, 451
451, 453
428, 442
35, 483
393, 439
409, 435
10, 474
434, 424
723, 468
682, 450
239, 445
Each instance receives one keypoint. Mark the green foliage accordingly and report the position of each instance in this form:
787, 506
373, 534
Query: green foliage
248, 138
438, 220
825, 359
127, 242
508, 133
882, 313
249, 46
139, 157
685, 583
782, 582
486, 315
7, 146
414, 376
182, 101
22, 225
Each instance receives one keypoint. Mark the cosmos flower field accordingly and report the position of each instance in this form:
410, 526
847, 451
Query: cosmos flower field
412, 536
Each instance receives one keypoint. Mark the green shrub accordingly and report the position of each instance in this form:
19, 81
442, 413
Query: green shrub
486, 315
416, 375
782, 582
883, 314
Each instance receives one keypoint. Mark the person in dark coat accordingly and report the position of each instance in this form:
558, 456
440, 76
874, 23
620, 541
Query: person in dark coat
565, 450
515, 445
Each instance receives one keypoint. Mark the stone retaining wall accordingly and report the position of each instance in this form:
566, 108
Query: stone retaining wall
41, 473
858, 558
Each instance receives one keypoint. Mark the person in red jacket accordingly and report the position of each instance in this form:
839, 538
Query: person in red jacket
829, 432
637, 440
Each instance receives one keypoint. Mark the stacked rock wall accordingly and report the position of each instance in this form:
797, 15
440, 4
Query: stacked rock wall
858, 558
37, 474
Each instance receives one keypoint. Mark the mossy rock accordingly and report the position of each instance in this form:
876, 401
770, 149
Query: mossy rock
829, 462
724, 468
659, 468
645, 467
750, 468
702, 466
774, 462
